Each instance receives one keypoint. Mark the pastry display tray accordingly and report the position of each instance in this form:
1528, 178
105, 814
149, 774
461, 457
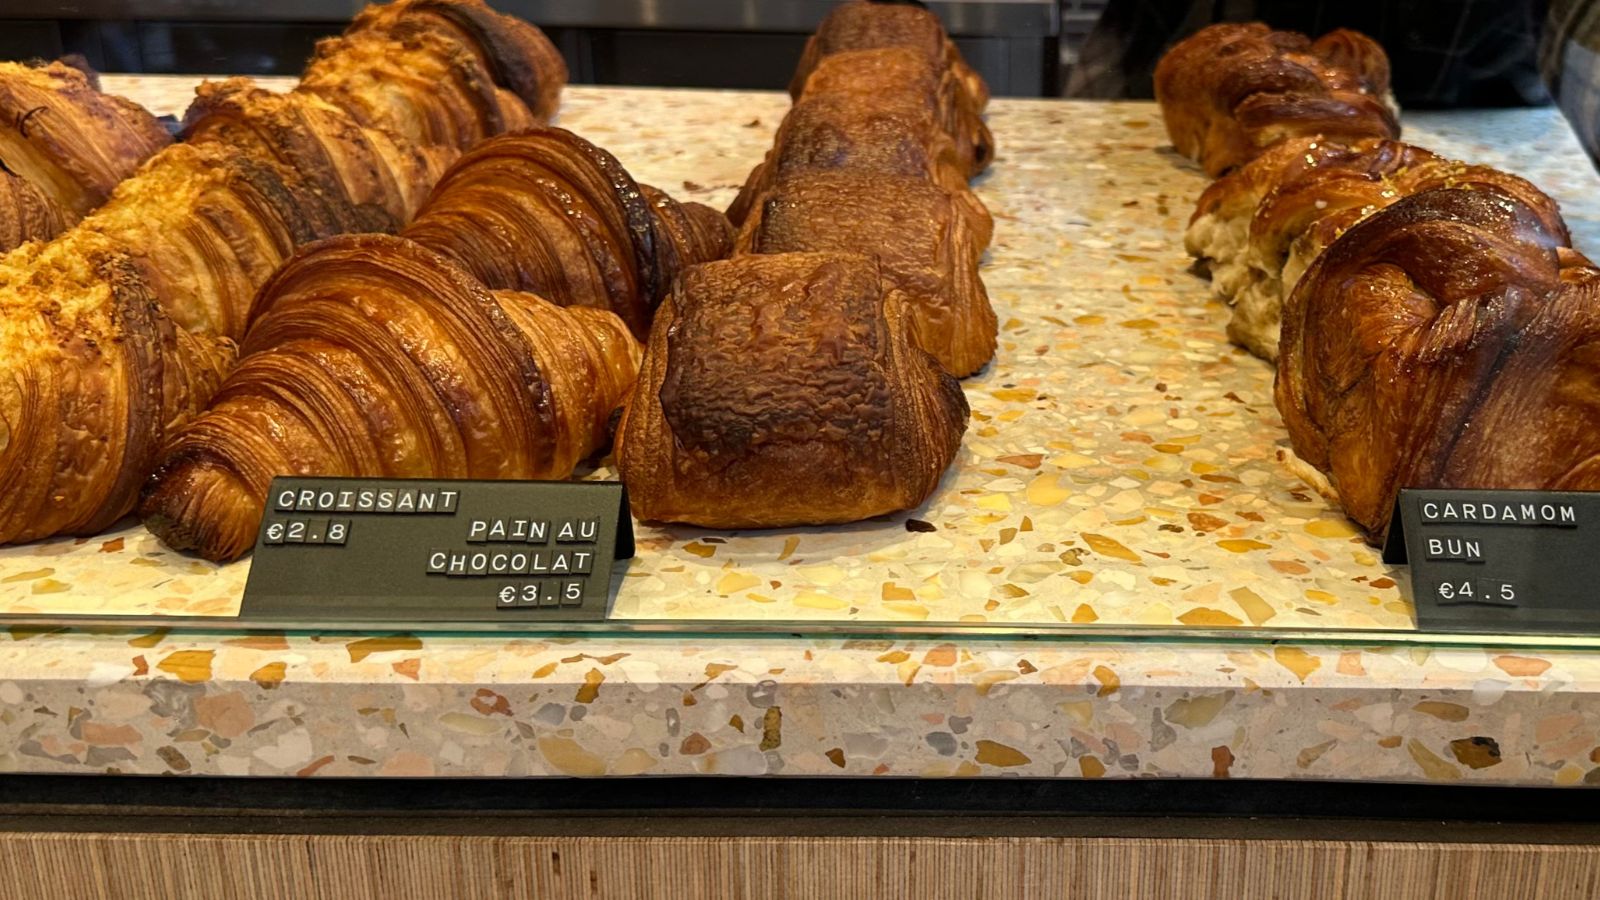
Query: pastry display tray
1120, 475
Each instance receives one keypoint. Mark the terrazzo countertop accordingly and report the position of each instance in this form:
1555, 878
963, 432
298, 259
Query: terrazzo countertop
1120, 471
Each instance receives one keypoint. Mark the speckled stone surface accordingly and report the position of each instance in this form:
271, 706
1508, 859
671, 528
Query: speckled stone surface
1120, 470
1121, 465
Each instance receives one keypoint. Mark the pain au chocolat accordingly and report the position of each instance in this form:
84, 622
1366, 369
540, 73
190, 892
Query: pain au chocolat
869, 26
782, 390
872, 111
928, 243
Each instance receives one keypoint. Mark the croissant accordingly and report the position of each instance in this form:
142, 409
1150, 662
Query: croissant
1230, 91
896, 132
870, 26
783, 390
385, 179
513, 54
118, 330
921, 236
548, 212
447, 72
1398, 332
93, 379
63, 147
372, 356
1308, 192
874, 73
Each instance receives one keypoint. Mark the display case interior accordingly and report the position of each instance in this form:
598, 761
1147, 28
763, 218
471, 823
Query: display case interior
1122, 471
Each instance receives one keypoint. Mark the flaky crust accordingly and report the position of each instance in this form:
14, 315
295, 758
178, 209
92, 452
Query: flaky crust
139, 300
895, 133
870, 74
373, 356
1294, 200
782, 390
68, 143
1230, 91
27, 213
548, 212
1536, 425
1399, 331
920, 235
512, 53
208, 224
384, 179
93, 381
871, 26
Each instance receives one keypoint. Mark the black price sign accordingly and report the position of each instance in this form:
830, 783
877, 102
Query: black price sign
362, 550
1493, 561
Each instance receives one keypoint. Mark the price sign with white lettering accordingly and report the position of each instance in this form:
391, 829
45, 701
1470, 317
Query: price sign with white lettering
352, 550
1500, 561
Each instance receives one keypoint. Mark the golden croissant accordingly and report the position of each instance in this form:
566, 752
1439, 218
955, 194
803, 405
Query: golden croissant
514, 56
782, 390
548, 212
446, 72
383, 178
117, 331
1414, 342
373, 356
63, 146
921, 235
1230, 91
1260, 226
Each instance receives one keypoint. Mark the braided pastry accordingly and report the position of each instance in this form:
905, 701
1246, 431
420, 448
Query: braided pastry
844, 417
548, 212
1230, 91
372, 356
1260, 226
1409, 342
63, 147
